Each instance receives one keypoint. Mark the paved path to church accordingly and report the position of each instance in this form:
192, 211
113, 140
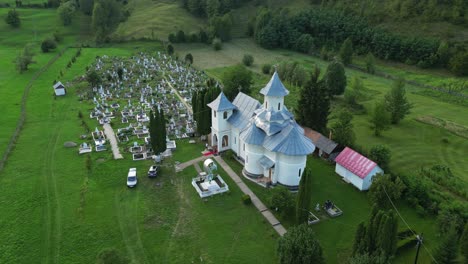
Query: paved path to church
258, 204
180, 97
190, 163
113, 141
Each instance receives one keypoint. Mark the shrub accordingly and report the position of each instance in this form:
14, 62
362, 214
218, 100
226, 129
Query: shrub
193, 37
246, 199
217, 44
47, 45
248, 60
172, 38
266, 68
180, 36
13, 18
459, 64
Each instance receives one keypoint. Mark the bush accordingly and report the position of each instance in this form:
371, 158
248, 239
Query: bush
459, 64
47, 45
13, 18
172, 38
108, 256
248, 60
180, 36
217, 44
266, 68
193, 37
246, 199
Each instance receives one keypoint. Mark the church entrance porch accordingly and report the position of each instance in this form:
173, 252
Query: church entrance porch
259, 179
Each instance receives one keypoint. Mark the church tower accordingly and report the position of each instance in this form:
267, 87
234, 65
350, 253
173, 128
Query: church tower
221, 110
274, 93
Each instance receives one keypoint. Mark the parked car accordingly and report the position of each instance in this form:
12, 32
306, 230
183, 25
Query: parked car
153, 171
132, 178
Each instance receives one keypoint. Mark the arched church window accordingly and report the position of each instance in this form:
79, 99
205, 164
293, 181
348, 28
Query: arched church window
225, 114
299, 173
266, 104
214, 114
279, 106
225, 141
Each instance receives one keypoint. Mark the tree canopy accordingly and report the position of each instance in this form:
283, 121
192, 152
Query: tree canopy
335, 78
396, 103
236, 79
300, 246
106, 17
343, 129
13, 18
313, 107
380, 119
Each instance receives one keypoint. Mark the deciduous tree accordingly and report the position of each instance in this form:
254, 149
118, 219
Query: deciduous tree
24, 59
381, 155
66, 11
446, 252
343, 129
380, 119
300, 246
385, 188
335, 78
236, 79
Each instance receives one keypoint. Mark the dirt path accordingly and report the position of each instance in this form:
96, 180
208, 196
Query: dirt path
189, 108
113, 141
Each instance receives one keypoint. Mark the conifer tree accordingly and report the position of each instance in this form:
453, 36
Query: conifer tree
396, 103
156, 127
163, 133
446, 252
359, 245
346, 51
464, 243
153, 132
314, 104
303, 198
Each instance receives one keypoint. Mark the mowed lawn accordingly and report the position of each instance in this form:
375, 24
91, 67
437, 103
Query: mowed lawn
413, 144
157, 19
55, 211
36, 25
336, 235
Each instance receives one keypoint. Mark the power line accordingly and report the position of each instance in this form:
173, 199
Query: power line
407, 225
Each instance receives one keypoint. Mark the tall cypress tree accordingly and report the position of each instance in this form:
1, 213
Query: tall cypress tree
360, 246
335, 78
303, 199
153, 132
163, 131
157, 128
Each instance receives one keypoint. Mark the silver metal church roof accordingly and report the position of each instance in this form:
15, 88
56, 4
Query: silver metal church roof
221, 103
274, 87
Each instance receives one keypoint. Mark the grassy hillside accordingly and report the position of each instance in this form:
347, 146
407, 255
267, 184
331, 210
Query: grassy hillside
36, 25
156, 20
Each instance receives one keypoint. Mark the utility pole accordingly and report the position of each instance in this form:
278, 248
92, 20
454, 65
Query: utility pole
419, 242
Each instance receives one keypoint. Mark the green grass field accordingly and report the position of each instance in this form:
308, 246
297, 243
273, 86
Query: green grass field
35, 26
156, 20
54, 211
336, 234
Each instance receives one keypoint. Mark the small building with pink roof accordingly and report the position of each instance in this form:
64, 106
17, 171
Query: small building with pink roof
356, 169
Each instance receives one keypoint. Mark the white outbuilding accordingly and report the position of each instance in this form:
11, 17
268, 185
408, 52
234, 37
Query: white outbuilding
59, 89
356, 169
264, 136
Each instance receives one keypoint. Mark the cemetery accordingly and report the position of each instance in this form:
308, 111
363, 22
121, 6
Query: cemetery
127, 88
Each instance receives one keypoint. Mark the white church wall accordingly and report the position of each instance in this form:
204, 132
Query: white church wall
271, 102
290, 169
252, 154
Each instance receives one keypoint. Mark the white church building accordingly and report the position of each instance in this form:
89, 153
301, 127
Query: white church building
265, 136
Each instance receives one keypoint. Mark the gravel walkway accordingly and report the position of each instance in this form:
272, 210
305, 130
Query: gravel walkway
113, 141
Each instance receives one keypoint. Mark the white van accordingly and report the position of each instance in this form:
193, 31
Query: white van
132, 178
